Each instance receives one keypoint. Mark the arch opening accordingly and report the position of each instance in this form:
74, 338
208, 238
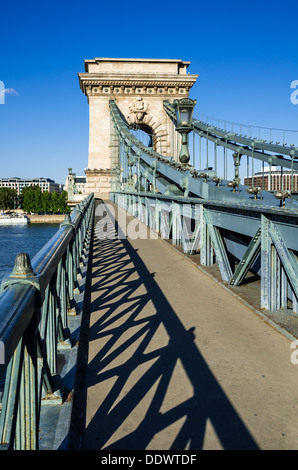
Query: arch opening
145, 134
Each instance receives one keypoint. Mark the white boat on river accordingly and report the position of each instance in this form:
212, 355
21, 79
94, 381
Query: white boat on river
14, 219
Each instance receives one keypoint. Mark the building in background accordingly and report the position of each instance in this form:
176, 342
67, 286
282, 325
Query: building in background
79, 182
274, 180
75, 186
45, 184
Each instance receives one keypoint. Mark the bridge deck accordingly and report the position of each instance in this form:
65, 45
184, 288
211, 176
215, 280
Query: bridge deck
176, 362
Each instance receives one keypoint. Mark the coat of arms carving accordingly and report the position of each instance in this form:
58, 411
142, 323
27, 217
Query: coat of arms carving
139, 109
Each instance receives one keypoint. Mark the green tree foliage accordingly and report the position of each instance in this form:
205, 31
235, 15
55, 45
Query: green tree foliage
34, 200
46, 202
8, 198
31, 199
63, 207
55, 202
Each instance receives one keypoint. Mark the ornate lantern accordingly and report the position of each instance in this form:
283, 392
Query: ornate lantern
184, 112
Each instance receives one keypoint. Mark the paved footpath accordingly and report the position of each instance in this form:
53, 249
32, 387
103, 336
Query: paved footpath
175, 361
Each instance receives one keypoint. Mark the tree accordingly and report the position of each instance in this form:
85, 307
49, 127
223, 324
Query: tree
8, 198
55, 202
63, 206
46, 202
38, 201
34, 200
31, 196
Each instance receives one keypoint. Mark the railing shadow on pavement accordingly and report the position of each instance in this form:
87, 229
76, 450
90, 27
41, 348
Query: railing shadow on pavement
121, 302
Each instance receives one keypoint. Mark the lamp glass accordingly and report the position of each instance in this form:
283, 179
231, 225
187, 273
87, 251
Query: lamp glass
185, 116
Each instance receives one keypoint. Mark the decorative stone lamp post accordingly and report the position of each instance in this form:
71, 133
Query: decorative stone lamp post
184, 112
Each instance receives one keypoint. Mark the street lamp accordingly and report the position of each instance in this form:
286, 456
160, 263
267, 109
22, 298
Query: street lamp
184, 111
236, 181
237, 157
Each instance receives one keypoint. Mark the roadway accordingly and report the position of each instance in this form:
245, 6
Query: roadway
176, 361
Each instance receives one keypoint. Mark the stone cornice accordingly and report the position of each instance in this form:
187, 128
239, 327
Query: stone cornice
87, 80
136, 83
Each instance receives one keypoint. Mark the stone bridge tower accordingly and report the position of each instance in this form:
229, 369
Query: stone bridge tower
139, 87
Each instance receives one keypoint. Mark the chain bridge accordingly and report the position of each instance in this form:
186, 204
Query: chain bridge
163, 315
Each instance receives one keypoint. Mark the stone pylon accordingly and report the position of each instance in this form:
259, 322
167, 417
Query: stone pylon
139, 87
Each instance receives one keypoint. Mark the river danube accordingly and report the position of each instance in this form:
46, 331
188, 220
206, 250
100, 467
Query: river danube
22, 239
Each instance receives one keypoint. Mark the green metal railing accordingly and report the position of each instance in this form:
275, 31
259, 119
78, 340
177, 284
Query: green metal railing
239, 229
260, 239
35, 303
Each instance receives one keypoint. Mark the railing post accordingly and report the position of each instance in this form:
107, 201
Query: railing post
265, 264
165, 222
176, 224
71, 266
19, 417
157, 215
206, 252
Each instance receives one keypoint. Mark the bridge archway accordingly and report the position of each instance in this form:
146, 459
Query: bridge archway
139, 87
157, 132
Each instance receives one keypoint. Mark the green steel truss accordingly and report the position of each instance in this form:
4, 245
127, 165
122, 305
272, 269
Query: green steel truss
232, 229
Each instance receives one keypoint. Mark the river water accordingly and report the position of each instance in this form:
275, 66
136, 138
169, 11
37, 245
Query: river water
17, 239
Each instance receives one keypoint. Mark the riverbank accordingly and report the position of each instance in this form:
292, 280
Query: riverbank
40, 218
46, 219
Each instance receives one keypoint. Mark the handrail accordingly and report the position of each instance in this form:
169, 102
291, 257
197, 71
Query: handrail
35, 302
251, 127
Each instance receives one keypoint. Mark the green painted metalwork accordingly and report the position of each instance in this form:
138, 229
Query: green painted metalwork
168, 176
184, 112
210, 238
240, 229
248, 259
35, 302
219, 248
255, 148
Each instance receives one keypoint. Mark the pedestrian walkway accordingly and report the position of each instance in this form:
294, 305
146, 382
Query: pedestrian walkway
175, 361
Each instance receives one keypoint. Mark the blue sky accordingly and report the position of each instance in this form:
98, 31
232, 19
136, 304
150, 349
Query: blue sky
246, 54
